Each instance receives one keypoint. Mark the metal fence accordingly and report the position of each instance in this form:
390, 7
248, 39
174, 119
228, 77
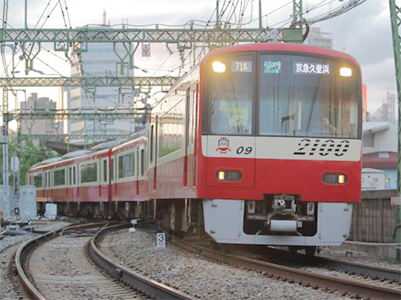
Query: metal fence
374, 219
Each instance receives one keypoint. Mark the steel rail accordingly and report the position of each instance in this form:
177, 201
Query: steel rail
148, 286
348, 287
284, 257
24, 251
357, 268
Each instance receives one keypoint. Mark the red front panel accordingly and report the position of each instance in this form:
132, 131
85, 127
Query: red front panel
292, 177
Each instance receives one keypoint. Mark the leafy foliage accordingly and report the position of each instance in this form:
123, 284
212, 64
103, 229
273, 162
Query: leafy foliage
28, 154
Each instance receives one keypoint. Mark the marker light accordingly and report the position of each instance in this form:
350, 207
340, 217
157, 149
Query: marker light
334, 178
345, 72
341, 179
229, 175
218, 67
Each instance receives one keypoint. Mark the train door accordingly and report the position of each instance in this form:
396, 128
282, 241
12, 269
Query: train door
70, 191
141, 168
75, 194
113, 181
195, 112
187, 134
137, 161
104, 186
153, 153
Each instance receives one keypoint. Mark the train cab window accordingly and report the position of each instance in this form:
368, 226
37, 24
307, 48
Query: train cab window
307, 96
231, 95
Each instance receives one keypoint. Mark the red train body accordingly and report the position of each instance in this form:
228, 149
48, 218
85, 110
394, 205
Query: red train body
262, 140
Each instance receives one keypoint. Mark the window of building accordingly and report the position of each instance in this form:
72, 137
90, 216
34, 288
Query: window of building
368, 140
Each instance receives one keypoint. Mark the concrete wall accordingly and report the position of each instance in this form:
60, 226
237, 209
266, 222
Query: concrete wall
374, 219
384, 140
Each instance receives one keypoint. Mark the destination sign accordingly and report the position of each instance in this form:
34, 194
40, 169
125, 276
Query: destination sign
311, 68
272, 67
243, 66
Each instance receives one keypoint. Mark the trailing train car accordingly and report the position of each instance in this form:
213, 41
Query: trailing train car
257, 144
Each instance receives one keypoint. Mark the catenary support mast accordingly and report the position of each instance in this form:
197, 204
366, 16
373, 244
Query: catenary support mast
395, 12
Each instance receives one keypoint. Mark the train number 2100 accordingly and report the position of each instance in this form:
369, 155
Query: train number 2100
322, 147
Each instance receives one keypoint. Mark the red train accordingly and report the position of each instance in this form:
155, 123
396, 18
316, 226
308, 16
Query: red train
257, 144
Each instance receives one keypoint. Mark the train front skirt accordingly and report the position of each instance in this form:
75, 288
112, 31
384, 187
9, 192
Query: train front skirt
224, 222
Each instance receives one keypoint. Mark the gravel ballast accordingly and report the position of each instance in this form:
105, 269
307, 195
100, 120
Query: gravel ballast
195, 275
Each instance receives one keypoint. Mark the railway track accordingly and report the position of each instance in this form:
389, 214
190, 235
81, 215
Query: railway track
58, 265
352, 288
376, 273
286, 258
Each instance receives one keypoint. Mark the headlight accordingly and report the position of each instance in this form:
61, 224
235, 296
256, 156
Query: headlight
218, 67
345, 72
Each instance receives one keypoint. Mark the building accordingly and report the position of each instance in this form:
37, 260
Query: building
40, 130
386, 113
99, 60
319, 39
380, 150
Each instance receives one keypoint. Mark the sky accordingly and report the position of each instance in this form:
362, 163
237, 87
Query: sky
364, 32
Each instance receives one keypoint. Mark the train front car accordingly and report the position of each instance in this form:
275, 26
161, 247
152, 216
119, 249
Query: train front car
281, 144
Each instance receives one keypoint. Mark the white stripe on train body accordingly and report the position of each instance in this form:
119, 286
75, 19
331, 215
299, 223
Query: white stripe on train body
297, 148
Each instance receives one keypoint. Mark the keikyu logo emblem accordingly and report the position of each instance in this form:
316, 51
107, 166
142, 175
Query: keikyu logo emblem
223, 145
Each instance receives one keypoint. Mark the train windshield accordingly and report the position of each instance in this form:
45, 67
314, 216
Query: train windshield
232, 87
308, 96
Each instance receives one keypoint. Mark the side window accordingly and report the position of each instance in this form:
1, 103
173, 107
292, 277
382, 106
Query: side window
142, 162
126, 165
112, 169
187, 116
59, 177
89, 173
105, 170
151, 142
74, 177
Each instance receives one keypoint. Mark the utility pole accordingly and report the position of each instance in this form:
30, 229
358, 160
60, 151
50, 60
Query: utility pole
26, 14
395, 13
260, 14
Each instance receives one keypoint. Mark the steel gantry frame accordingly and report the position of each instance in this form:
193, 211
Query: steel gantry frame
76, 40
64, 38
88, 81
395, 13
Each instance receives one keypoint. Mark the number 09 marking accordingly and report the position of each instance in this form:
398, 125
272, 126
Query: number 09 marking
243, 150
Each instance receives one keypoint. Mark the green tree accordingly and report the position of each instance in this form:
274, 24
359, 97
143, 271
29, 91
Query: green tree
28, 154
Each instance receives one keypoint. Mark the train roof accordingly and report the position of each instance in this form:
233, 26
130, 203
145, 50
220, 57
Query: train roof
94, 151
287, 47
76, 154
